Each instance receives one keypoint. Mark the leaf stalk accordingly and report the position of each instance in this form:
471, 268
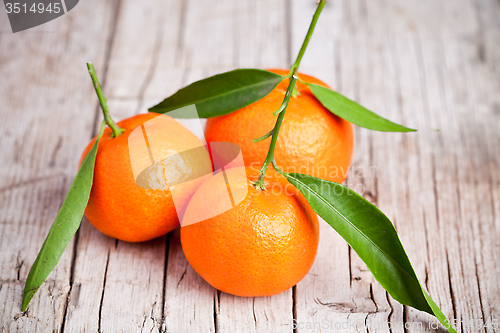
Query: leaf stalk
265, 136
103, 101
260, 183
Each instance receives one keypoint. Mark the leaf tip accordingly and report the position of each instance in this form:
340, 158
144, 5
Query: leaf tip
27, 296
398, 129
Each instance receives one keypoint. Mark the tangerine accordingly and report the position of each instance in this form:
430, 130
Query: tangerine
262, 246
133, 206
311, 140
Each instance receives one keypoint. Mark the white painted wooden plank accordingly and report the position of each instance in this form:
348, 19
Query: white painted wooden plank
190, 302
120, 286
322, 299
410, 202
350, 300
261, 34
46, 118
478, 133
90, 267
376, 310
124, 282
437, 98
132, 299
144, 62
463, 61
255, 314
140, 298
368, 22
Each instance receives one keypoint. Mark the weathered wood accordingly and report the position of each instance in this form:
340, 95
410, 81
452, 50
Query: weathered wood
126, 97
438, 58
46, 122
190, 303
429, 65
392, 41
348, 298
239, 23
120, 286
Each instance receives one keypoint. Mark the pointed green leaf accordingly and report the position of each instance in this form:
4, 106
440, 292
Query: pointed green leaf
222, 93
65, 225
372, 235
353, 112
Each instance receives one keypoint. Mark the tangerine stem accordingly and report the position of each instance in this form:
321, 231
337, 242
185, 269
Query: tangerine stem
104, 106
303, 48
260, 184
265, 136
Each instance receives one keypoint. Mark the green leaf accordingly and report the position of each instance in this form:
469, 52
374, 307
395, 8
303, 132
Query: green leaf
222, 93
353, 112
65, 225
372, 235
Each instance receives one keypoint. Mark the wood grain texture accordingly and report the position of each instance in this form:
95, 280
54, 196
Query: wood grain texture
46, 117
429, 65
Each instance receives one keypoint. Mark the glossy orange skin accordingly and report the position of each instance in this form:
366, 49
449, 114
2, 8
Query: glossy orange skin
117, 206
311, 140
263, 246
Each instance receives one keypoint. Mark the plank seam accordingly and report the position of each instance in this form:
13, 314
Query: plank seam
289, 32
164, 290
182, 27
294, 306
405, 318
93, 133
71, 277
151, 69
480, 297
452, 294
99, 318
216, 310
389, 316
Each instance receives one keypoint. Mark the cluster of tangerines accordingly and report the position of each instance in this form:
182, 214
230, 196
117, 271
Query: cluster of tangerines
267, 242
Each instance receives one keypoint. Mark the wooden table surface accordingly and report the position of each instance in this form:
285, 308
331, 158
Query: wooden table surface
430, 65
